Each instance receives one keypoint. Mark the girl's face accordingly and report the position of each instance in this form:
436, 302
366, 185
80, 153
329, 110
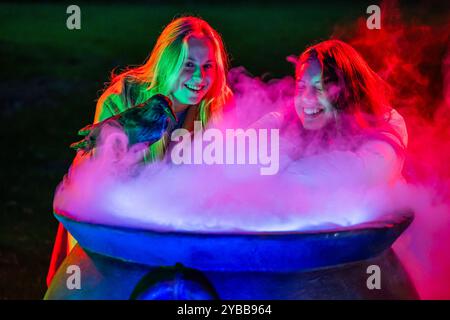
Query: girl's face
311, 101
197, 74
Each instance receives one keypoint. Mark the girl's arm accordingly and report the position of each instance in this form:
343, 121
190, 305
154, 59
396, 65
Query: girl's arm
112, 104
116, 100
379, 160
375, 162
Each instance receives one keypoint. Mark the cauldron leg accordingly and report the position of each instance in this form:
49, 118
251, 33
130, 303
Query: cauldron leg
174, 283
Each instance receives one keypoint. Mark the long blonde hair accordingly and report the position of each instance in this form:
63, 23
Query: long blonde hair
161, 70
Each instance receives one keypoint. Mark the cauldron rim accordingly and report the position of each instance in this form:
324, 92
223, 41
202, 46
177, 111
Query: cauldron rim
265, 252
387, 220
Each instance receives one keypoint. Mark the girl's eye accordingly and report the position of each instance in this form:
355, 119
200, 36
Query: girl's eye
189, 65
208, 66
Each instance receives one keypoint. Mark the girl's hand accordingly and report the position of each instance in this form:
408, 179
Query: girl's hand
144, 123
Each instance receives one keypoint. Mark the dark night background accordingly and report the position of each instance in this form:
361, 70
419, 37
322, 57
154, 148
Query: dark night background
52, 76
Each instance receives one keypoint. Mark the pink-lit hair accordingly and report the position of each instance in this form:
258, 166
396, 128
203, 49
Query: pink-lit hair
362, 92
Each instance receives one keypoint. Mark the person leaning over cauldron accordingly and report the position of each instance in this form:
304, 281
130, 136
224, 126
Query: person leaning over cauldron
343, 120
184, 78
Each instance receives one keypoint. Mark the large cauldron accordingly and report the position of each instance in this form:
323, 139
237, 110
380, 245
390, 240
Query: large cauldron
123, 263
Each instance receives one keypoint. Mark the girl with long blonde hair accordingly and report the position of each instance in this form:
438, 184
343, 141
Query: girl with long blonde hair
188, 65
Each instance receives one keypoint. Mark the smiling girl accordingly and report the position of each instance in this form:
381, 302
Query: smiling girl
188, 64
347, 129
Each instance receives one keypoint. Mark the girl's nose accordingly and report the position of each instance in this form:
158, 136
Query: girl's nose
198, 73
308, 97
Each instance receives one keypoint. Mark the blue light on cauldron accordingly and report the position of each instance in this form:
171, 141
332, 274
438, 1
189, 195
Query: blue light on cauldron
124, 263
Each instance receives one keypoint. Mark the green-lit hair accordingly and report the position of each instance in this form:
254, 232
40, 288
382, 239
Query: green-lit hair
162, 68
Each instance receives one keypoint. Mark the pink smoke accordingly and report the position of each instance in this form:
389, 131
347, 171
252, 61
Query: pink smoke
237, 199
414, 58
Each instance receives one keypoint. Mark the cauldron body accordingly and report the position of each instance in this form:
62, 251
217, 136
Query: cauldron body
120, 263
